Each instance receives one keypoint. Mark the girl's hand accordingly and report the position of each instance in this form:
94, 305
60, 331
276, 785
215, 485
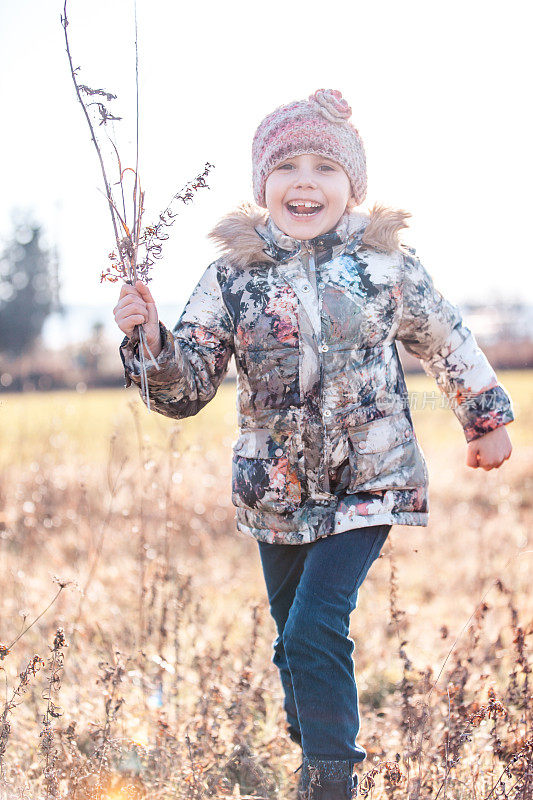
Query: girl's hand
136, 306
490, 450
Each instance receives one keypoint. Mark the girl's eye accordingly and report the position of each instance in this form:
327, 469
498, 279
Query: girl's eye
326, 166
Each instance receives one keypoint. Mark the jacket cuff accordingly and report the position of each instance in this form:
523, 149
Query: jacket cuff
129, 354
484, 412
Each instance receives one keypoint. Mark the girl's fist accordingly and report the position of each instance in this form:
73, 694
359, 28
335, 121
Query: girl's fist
136, 306
489, 451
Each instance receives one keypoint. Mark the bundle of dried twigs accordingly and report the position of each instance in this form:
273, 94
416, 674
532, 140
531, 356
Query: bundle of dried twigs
136, 248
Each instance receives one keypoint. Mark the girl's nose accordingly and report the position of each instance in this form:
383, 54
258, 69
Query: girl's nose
304, 179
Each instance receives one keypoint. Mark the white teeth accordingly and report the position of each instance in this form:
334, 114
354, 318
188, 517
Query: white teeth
306, 203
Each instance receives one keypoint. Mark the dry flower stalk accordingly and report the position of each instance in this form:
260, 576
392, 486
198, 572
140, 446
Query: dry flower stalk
130, 237
53, 711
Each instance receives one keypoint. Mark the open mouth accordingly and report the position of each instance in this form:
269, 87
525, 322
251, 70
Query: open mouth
304, 210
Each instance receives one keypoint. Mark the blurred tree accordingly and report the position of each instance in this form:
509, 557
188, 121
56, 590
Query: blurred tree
28, 288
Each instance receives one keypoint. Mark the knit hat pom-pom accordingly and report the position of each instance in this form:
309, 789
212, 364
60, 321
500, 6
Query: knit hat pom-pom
332, 105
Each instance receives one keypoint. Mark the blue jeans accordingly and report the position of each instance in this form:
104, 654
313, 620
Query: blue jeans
312, 590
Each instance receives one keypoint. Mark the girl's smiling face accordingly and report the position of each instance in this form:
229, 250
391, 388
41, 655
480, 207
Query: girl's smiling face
308, 178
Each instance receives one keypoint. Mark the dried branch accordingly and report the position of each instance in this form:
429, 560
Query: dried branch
125, 262
101, 92
65, 23
6, 649
125, 247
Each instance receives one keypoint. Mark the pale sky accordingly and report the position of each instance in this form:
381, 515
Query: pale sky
439, 92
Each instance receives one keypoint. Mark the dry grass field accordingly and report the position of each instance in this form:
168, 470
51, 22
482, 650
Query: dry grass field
135, 635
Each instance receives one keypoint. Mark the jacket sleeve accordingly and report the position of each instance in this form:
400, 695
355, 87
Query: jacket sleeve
195, 355
432, 329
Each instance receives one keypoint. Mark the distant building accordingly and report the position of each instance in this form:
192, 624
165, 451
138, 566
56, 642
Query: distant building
502, 322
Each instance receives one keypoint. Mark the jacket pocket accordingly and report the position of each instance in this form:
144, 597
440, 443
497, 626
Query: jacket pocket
384, 454
263, 474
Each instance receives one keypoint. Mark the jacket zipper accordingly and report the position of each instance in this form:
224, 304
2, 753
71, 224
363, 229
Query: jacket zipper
311, 266
313, 280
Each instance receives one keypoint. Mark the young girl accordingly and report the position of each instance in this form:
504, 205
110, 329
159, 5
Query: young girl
310, 295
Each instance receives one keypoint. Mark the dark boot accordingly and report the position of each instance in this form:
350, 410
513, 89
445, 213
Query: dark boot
326, 780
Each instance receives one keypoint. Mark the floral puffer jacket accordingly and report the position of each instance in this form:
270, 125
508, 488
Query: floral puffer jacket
326, 440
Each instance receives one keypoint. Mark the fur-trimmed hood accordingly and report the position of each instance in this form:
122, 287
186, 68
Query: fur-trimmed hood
242, 234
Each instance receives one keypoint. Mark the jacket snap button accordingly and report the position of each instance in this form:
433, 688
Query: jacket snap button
327, 413
279, 451
305, 287
324, 348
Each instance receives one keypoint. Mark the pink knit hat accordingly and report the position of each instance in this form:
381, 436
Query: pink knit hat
318, 125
